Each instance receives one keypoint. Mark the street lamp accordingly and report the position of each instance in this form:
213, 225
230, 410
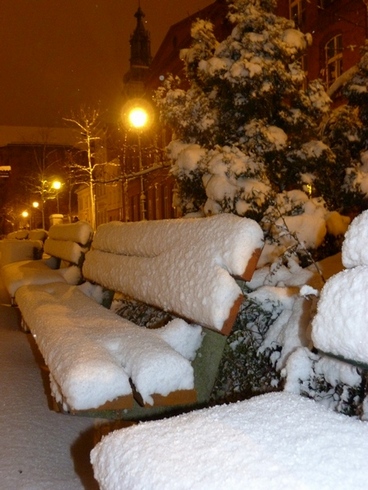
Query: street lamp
25, 215
35, 206
57, 186
138, 116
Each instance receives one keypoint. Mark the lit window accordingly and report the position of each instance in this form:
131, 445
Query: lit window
333, 59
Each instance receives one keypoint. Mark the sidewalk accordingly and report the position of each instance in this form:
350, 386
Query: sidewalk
39, 449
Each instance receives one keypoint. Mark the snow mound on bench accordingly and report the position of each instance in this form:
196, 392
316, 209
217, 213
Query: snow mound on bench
66, 250
79, 232
184, 266
26, 272
340, 324
271, 442
354, 247
92, 352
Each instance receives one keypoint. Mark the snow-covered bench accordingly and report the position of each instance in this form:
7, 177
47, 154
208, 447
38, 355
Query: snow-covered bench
340, 326
271, 442
99, 360
335, 371
65, 249
22, 245
36, 234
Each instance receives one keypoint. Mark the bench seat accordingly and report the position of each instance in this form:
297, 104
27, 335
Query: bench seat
95, 356
271, 442
27, 272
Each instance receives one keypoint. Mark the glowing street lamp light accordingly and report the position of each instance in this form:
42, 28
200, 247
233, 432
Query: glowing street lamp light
25, 214
138, 117
137, 114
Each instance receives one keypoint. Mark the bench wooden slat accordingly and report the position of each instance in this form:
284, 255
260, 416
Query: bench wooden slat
251, 266
179, 397
125, 402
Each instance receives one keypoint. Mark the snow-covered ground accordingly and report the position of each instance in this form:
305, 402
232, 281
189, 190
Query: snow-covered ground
39, 449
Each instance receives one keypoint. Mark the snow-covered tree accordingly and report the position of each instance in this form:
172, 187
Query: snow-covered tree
346, 132
246, 127
87, 124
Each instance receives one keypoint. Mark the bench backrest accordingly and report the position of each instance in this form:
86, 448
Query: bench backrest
184, 266
69, 242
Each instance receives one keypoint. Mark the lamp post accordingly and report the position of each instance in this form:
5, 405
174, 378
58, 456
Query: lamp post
138, 117
25, 216
57, 186
35, 206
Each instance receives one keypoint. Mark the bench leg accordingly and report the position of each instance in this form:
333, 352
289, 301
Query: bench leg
23, 325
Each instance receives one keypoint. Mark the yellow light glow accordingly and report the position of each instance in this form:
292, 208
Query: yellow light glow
35, 204
56, 185
138, 117
25, 214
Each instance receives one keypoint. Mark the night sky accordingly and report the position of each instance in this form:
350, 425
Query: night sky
57, 55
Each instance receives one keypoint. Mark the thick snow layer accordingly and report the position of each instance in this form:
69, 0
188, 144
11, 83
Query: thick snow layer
340, 325
270, 442
65, 250
18, 235
92, 352
185, 339
231, 239
79, 232
27, 272
302, 362
38, 234
309, 228
182, 265
354, 248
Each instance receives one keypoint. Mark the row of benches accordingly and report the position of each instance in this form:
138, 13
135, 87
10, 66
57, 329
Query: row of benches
273, 441
100, 361
21, 245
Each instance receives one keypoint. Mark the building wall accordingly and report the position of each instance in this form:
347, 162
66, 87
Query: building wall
326, 19
30, 163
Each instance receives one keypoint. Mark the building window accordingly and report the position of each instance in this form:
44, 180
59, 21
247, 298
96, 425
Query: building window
297, 10
333, 59
323, 4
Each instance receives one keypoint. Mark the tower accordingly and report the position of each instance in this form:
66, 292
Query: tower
140, 59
